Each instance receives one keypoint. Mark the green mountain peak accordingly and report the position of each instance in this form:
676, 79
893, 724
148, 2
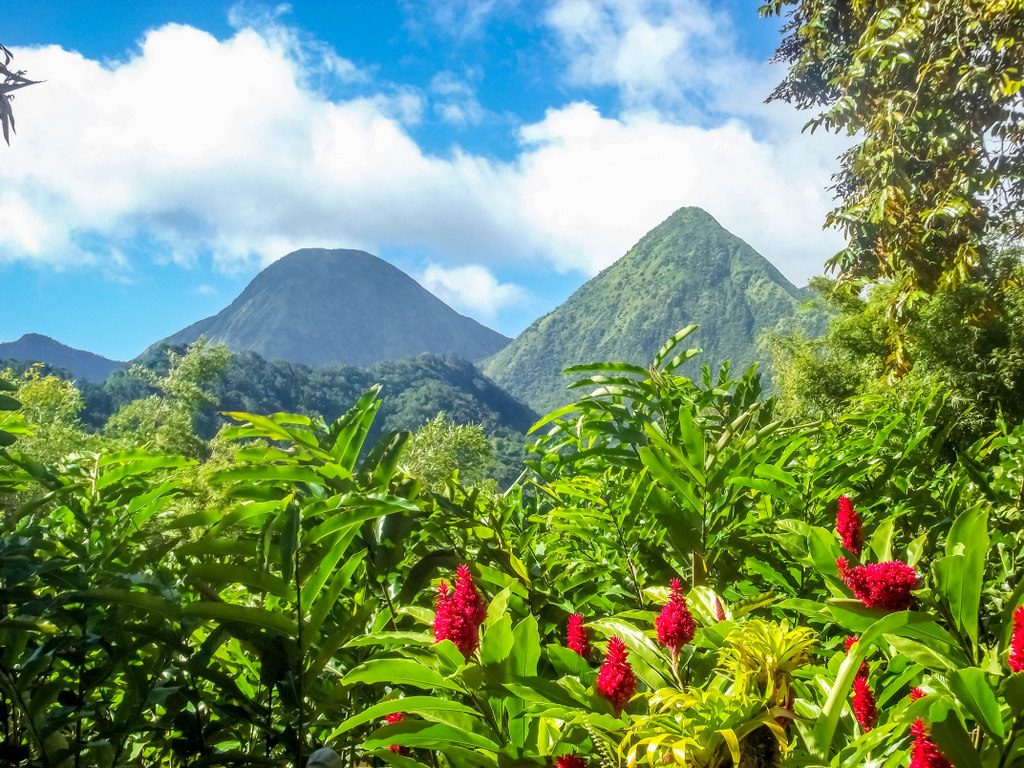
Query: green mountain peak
688, 269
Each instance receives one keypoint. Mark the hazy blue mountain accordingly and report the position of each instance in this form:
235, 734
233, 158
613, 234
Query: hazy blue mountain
319, 307
688, 269
36, 348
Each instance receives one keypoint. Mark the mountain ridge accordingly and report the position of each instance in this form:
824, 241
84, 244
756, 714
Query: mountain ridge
80, 363
319, 306
688, 269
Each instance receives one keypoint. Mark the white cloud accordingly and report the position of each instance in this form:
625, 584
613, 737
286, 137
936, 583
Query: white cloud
471, 288
592, 185
651, 50
233, 150
455, 100
458, 19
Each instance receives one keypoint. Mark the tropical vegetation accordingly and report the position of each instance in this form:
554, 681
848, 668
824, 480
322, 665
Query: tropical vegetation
687, 569
678, 577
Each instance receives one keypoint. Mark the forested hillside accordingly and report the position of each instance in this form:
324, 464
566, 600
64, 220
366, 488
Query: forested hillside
688, 269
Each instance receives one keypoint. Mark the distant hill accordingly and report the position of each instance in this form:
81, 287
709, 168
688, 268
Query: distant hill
688, 269
36, 348
321, 307
413, 391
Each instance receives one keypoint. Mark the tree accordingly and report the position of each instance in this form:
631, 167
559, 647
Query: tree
12, 81
931, 90
167, 421
967, 342
51, 407
441, 447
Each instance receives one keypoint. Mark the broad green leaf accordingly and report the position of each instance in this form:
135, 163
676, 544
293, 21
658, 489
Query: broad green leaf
410, 705
971, 688
226, 613
399, 672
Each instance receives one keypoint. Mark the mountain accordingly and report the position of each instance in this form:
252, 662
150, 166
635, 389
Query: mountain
36, 348
688, 269
318, 307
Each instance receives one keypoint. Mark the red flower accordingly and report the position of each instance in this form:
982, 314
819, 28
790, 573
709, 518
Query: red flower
576, 636
848, 644
719, 610
849, 527
881, 585
917, 693
396, 717
459, 613
616, 681
1017, 641
675, 623
925, 753
864, 704
570, 761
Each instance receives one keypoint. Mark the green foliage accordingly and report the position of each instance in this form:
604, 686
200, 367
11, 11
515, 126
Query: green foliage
279, 597
966, 342
441, 448
50, 407
930, 90
167, 421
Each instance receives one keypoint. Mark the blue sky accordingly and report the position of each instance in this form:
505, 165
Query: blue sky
500, 152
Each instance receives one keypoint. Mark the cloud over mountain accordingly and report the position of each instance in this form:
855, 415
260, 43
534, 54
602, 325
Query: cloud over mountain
248, 147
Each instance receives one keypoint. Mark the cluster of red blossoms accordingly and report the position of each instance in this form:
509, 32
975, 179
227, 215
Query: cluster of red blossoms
459, 613
675, 623
570, 761
1016, 660
925, 753
848, 526
576, 636
616, 681
863, 704
887, 585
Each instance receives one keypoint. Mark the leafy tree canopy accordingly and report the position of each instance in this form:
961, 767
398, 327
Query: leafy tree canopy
931, 91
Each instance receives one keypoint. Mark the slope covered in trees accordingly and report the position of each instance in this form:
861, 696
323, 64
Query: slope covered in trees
686, 270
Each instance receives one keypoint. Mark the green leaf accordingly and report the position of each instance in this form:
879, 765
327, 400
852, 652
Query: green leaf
391, 638
240, 614
960, 575
425, 734
497, 643
972, 690
410, 705
399, 672
525, 648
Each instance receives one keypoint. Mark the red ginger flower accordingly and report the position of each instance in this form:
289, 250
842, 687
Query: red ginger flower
917, 693
675, 623
459, 613
570, 761
925, 753
1017, 641
864, 704
849, 527
848, 644
576, 636
616, 681
396, 717
881, 585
